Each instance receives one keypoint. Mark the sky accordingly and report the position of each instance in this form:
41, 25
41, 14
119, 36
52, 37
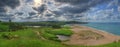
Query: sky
60, 10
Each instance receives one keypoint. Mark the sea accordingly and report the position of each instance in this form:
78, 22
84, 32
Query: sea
110, 27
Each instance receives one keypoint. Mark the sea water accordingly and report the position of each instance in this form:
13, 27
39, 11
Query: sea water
111, 27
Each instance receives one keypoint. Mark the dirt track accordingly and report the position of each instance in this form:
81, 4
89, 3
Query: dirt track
91, 37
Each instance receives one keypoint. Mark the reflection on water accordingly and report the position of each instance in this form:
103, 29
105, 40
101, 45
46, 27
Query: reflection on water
63, 38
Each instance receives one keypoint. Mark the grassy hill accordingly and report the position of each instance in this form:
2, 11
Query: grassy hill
38, 37
3, 27
28, 38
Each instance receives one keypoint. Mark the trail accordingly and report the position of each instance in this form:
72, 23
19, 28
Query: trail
39, 35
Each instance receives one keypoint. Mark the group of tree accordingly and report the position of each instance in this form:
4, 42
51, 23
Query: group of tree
10, 26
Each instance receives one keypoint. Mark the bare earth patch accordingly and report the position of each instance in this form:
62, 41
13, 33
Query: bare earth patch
88, 36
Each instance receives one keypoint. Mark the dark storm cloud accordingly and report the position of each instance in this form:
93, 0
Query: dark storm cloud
79, 6
19, 13
28, 0
48, 15
73, 10
73, 1
58, 12
10, 3
32, 13
28, 17
2, 9
5, 15
119, 2
2, 15
41, 8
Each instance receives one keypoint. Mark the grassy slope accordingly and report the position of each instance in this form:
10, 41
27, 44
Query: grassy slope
50, 33
3, 27
28, 38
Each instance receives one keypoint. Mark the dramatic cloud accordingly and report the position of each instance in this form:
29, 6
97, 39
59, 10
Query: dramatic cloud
2, 9
40, 9
19, 13
67, 10
79, 6
32, 13
73, 2
8, 3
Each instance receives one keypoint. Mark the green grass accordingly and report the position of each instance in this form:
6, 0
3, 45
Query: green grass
65, 32
3, 27
28, 38
27, 33
29, 43
61, 31
51, 33
49, 36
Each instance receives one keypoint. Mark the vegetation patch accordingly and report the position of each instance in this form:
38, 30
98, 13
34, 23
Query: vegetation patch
3, 27
28, 37
87, 34
51, 33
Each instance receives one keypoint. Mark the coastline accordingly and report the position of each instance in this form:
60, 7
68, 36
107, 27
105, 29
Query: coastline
77, 29
99, 30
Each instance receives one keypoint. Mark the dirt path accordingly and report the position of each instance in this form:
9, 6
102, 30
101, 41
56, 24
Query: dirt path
88, 36
39, 35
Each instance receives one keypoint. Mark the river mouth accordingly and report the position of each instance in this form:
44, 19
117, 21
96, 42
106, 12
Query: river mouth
63, 37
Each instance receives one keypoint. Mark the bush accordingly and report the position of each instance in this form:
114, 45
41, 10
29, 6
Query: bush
65, 32
51, 33
56, 26
49, 36
14, 27
3, 27
6, 36
9, 36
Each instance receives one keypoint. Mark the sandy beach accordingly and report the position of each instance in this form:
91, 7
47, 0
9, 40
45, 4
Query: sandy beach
83, 35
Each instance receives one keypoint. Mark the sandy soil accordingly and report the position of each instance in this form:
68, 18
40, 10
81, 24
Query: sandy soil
97, 37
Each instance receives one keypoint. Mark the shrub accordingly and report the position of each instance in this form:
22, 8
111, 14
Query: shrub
9, 36
14, 27
65, 32
56, 26
6, 36
3, 27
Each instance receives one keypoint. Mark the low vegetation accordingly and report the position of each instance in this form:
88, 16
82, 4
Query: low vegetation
3, 27
87, 35
30, 37
51, 33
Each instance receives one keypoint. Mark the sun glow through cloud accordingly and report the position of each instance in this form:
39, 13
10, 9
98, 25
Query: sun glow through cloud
37, 3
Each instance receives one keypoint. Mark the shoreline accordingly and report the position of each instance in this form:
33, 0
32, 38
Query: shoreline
78, 29
99, 30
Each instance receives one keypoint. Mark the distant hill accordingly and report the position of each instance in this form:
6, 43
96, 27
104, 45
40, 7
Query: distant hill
49, 23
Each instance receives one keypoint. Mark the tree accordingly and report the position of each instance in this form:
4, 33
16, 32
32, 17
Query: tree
56, 26
14, 26
10, 24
